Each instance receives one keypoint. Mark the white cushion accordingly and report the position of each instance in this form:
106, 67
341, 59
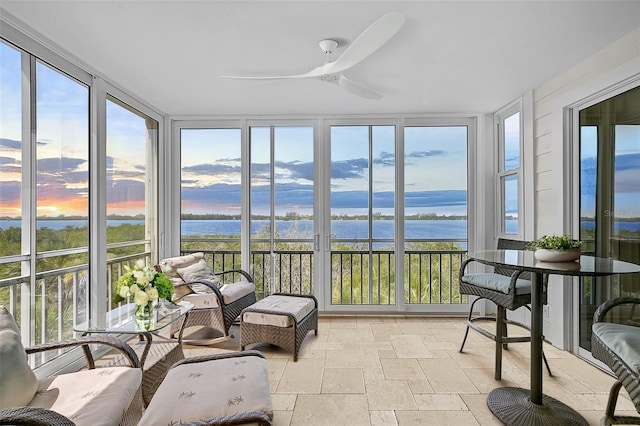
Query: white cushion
300, 307
196, 272
190, 268
202, 300
234, 291
90, 397
179, 262
18, 383
214, 388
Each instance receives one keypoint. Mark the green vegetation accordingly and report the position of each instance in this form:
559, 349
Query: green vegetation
556, 242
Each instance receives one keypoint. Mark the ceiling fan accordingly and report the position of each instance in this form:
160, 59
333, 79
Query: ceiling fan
370, 40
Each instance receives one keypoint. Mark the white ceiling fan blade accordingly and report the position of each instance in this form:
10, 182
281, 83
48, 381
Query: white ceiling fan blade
316, 72
371, 39
356, 89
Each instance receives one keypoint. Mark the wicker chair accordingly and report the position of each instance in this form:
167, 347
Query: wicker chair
112, 394
618, 346
217, 305
508, 289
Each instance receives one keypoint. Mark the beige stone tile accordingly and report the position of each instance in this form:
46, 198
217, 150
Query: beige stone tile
413, 327
360, 358
419, 386
343, 380
445, 376
390, 395
440, 402
275, 368
385, 329
282, 418
402, 369
376, 345
331, 410
435, 418
477, 404
283, 401
386, 353
409, 346
337, 323
350, 335
372, 375
483, 379
304, 376
383, 418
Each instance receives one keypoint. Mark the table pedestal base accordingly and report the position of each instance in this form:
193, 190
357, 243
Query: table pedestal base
513, 406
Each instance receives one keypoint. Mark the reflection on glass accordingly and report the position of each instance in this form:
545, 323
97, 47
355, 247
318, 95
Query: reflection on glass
510, 214
10, 157
62, 151
609, 198
511, 142
282, 208
210, 191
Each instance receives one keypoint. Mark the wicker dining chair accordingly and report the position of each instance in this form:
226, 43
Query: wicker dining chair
617, 344
508, 289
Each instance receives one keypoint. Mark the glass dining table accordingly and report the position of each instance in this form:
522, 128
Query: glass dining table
518, 406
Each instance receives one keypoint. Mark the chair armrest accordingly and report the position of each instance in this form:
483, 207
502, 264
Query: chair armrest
85, 341
235, 419
604, 308
245, 274
32, 416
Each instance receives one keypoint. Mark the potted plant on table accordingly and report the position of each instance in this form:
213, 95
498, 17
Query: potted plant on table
145, 286
557, 248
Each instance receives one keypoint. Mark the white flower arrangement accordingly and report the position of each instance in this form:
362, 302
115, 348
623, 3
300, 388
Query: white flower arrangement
143, 284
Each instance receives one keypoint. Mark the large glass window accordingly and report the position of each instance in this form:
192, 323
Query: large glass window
132, 139
363, 164
282, 208
609, 198
210, 195
435, 203
10, 157
509, 136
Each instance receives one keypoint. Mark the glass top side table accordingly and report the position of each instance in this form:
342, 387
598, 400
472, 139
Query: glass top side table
156, 356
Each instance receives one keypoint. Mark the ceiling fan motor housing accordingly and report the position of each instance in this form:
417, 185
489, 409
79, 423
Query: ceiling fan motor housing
328, 46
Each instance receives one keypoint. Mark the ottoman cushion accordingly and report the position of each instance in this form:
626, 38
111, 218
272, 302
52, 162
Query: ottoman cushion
299, 307
214, 388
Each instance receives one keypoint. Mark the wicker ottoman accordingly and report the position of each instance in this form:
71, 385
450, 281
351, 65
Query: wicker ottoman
281, 319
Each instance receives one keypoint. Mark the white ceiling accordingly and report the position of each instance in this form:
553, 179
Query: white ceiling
450, 56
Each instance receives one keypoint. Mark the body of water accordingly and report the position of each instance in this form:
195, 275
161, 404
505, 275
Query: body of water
347, 229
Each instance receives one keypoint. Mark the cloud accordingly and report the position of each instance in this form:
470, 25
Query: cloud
124, 190
213, 169
11, 144
349, 168
10, 193
59, 164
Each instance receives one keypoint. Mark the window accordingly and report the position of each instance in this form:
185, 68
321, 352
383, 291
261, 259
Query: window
609, 142
210, 216
509, 177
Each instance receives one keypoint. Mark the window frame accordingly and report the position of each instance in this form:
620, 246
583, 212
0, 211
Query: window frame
502, 174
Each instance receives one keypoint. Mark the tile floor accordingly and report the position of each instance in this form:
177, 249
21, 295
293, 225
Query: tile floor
408, 371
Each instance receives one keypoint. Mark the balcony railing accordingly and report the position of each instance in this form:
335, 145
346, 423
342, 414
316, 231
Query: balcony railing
358, 277
58, 299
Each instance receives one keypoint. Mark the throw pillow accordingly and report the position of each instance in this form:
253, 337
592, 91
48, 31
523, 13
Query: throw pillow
197, 272
18, 384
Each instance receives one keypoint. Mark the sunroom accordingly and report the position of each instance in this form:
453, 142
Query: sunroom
121, 139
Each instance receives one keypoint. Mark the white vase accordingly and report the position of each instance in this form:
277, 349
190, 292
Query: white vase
568, 255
